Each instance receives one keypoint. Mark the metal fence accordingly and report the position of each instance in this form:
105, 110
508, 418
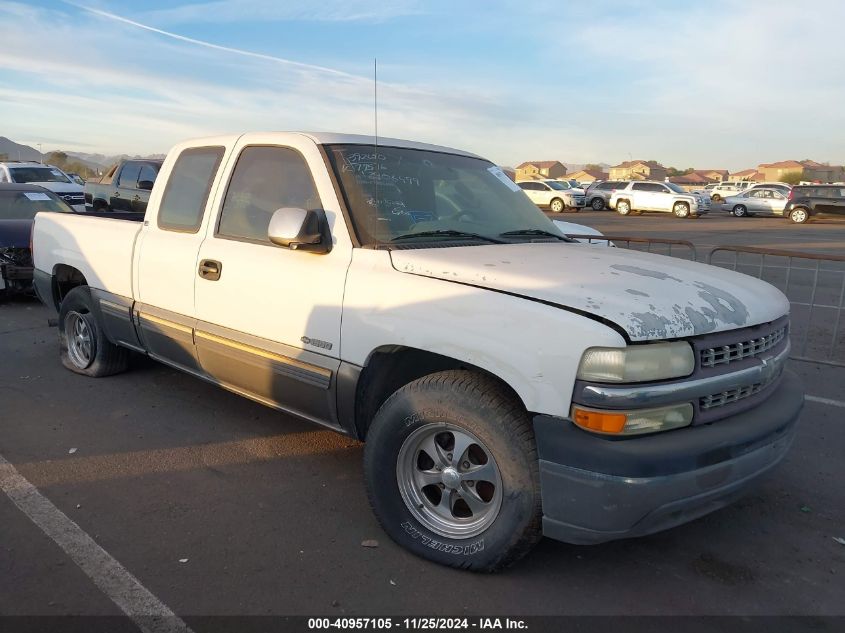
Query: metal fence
674, 248
813, 283
815, 286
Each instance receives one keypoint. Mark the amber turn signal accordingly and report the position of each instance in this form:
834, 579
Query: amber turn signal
600, 421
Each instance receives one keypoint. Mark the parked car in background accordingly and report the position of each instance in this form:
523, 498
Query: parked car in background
18, 205
807, 201
665, 197
725, 189
46, 176
783, 187
756, 201
507, 382
598, 193
571, 228
555, 195
125, 187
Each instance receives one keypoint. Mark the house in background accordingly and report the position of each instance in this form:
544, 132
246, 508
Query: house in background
540, 169
713, 175
588, 175
808, 170
692, 181
638, 170
746, 174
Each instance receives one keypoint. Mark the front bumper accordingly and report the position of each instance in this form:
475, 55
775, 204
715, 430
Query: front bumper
597, 489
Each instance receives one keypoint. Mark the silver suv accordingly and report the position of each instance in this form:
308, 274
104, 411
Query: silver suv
598, 193
665, 197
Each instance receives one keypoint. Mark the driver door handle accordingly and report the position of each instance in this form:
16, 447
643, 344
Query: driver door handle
210, 269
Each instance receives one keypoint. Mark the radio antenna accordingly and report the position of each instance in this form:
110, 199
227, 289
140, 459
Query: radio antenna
375, 99
376, 162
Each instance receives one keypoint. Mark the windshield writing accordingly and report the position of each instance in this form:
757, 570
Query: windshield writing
394, 192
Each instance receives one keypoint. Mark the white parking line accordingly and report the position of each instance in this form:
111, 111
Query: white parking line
828, 401
148, 612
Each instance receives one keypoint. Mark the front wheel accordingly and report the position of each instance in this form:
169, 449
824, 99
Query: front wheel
83, 346
681, 210
597, 204
623, 207
452, 473
740, 211
557, 205
799, 215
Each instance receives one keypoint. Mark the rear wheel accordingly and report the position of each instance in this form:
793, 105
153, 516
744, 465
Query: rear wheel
452, 473
681, 210
623, 207
740, 211
799, 215
84, 348
597, 204
557, 205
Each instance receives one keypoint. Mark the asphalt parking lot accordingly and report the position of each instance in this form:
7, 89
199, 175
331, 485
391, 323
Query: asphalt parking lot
219, 506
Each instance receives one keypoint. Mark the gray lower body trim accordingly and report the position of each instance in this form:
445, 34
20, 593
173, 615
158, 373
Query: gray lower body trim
42, 283
601, 508
116, 319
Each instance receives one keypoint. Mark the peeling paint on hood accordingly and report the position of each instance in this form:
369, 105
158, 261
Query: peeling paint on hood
648, 296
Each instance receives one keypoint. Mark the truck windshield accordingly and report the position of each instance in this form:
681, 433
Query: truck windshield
394, 192
37, 174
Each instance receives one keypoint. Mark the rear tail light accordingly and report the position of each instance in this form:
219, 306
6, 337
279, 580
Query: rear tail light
791, 194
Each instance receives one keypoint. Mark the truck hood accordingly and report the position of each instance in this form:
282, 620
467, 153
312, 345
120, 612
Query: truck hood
59, 187
648, 296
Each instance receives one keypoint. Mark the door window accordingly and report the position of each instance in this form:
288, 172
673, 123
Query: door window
641, 186
265, 179
147, 173
184, 198
129, 176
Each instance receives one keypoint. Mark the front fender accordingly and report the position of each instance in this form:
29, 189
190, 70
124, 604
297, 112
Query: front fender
533, 347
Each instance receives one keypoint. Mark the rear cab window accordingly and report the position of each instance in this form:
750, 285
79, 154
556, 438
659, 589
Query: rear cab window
186, 193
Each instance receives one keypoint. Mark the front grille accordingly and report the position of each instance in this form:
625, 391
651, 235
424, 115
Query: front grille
72, 198
734, 395
726, 354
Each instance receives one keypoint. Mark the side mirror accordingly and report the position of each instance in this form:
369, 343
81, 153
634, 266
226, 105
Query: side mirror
146, 185
298, 229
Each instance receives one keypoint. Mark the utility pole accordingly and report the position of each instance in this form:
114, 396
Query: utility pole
40, 154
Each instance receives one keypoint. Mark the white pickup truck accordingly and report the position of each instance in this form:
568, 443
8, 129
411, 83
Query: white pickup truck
508, 381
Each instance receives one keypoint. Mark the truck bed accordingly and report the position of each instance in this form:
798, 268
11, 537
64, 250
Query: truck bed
100, 245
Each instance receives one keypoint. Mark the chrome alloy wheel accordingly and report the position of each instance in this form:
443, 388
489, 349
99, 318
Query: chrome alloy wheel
449, 480
80, 344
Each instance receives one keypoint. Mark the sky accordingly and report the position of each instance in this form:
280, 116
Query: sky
710, 84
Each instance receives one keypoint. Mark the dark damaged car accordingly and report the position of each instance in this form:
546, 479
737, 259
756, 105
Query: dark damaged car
18, 205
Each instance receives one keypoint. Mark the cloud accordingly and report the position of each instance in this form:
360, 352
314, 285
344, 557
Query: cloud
227, 11
118, 100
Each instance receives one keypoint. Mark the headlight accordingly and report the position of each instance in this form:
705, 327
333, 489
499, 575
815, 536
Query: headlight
637, 363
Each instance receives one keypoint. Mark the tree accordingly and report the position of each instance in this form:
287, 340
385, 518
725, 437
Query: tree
792, 177
593, 167
674, 171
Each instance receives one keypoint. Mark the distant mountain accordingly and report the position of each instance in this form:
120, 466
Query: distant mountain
101, 161
16, 151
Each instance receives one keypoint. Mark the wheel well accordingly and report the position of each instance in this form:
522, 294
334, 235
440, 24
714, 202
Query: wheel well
65, 279
390, 368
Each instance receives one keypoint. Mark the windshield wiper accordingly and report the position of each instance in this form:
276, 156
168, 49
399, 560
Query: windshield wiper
447, 233
538, 232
